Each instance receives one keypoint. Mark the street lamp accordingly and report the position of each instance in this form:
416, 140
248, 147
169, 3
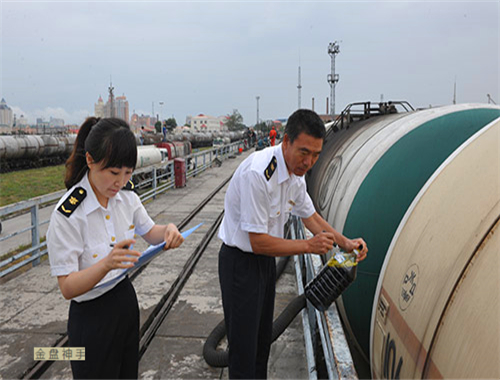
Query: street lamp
257, 97
161, 110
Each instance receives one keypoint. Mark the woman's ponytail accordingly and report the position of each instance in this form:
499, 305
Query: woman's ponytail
76, 165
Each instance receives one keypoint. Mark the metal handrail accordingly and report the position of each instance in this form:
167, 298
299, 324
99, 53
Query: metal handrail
38, 249
349, 114
335, 349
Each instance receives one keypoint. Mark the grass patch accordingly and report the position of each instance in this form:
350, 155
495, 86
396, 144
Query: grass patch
26, 184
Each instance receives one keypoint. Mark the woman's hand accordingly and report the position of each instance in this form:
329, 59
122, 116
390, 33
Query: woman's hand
121, 257
173, 237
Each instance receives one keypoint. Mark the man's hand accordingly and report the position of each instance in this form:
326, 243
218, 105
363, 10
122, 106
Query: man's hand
356, 244
321, 243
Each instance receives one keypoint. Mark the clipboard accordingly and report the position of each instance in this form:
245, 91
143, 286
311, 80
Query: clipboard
149, 254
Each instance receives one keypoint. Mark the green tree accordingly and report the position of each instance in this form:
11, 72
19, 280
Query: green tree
234, 122
170, 123
262, 126
158, 126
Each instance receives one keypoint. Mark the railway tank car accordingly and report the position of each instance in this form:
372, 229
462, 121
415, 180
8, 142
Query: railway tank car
421, 187
31, 151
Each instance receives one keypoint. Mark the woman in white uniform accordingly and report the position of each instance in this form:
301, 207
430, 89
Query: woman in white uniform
90, 241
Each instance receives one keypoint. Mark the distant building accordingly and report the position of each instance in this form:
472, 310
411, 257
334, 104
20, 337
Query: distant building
206, 123
121, 108
146, 121
40, 123
114, 107
6, 117
22, 122
99, 107
54, 122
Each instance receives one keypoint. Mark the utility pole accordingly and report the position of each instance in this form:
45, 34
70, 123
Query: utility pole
299, 87
455, 91
333, 50
257, 97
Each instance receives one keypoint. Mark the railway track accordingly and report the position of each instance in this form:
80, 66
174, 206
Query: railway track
152, 323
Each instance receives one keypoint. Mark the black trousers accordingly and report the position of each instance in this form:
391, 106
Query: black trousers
248, 285
108, 328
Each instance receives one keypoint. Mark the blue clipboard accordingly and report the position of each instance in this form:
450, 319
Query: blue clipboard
149, 254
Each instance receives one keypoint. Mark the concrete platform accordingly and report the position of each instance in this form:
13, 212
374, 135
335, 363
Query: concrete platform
34, 313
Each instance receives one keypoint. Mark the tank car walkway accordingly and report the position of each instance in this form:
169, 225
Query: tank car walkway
34, 313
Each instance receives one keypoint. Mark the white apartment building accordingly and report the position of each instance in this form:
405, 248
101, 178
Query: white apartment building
99, 107
6, 117
207, 123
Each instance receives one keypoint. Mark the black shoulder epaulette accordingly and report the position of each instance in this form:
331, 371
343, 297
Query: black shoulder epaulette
72, 201
129, 186
271, 168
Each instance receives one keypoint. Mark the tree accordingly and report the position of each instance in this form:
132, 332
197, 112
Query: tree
170, 123
158, 126
262, 126
234, 122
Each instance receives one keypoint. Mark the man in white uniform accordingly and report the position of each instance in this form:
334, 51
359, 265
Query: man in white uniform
265, 189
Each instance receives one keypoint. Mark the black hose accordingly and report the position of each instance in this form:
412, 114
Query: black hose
219, 358
213, 357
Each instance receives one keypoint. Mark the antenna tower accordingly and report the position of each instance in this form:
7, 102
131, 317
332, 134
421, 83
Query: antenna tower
111, 99
333, 50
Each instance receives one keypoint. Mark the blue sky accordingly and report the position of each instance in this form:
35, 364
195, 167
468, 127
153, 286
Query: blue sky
212, 57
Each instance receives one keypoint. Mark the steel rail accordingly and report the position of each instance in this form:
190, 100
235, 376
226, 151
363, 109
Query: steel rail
162, 309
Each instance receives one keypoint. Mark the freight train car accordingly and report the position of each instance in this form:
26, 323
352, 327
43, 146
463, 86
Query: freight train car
422, 188
32, 151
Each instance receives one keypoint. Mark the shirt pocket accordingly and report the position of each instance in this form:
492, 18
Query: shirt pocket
274, 215
130, 234
93, 254
288, 209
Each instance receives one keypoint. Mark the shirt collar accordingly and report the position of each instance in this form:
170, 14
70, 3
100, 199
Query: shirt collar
91, 203
282, 169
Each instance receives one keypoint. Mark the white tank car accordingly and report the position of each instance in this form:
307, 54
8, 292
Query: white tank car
436, 310
148, 155
422, 188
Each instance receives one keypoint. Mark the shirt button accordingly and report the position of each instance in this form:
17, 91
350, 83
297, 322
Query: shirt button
94, 255
107, 217
113, 238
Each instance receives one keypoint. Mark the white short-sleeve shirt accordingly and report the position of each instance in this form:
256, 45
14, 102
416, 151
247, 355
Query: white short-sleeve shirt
80, 240
260, 198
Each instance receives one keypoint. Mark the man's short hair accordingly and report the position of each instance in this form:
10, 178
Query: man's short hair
305, 121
